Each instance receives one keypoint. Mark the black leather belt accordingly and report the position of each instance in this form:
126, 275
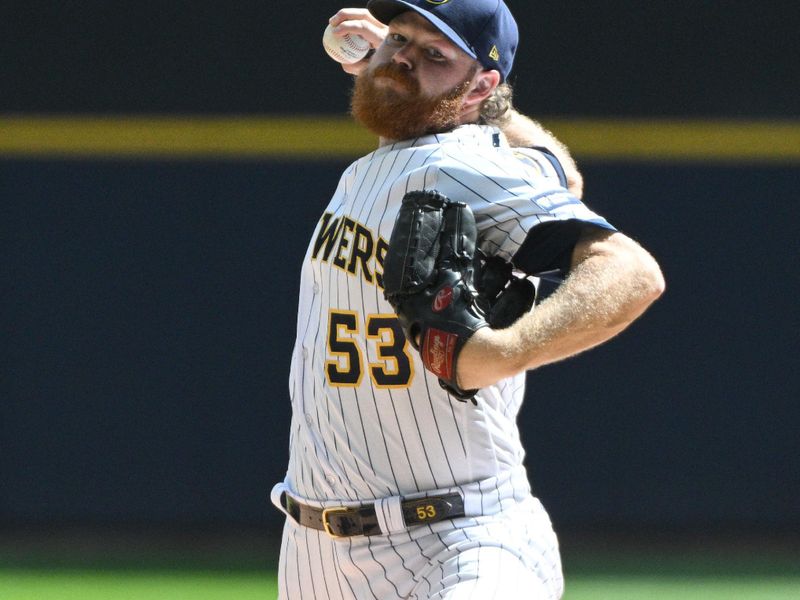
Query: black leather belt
342, 521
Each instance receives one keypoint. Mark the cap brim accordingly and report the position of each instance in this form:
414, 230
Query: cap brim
386, 10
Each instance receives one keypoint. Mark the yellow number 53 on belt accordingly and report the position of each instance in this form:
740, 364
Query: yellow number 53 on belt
426, 511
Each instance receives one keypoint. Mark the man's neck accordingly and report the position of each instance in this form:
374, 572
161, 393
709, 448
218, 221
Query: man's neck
471, 119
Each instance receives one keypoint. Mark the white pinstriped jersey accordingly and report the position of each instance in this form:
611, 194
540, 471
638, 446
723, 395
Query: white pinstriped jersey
368, 421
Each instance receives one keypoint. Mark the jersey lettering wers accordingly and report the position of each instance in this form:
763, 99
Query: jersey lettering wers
368, 420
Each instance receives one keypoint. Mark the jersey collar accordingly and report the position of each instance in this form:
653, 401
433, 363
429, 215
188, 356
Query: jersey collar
470, 134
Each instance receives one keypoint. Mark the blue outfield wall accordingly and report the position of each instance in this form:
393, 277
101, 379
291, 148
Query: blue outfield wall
149, 312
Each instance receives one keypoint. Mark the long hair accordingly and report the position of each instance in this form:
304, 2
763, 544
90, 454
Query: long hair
496, 109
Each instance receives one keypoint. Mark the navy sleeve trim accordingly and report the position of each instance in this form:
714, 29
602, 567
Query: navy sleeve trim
562, 176
547, 249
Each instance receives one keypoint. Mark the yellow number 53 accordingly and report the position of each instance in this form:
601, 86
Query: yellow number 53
346, 365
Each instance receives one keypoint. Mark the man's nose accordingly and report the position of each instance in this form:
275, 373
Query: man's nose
404, 57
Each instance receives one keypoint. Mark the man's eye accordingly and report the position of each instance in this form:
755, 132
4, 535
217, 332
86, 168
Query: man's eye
434, 54
396, 37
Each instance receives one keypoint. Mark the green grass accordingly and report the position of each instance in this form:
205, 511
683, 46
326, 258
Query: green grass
676, 588
76, 584
22, 584
74, 570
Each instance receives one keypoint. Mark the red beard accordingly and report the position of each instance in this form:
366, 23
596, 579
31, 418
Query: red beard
401, 116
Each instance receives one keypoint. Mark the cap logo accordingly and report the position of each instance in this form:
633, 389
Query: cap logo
437, 2
494, 54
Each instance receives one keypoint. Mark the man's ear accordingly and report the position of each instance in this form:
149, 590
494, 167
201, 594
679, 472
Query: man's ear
483, 85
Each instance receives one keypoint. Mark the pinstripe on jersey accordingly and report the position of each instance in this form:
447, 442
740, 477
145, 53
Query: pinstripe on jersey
368, 422
513, 556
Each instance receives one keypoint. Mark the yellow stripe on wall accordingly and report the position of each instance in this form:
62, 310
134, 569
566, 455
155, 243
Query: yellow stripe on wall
772, 141
320, 138
301, 137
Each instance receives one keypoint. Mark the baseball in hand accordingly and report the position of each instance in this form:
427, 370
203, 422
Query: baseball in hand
347, 49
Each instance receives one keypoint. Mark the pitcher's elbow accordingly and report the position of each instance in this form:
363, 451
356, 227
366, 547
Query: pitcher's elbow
652, 278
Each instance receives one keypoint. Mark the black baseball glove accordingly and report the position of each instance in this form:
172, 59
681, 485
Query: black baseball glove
429, 275
506, 296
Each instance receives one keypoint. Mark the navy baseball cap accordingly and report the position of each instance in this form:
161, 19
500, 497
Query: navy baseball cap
484, 29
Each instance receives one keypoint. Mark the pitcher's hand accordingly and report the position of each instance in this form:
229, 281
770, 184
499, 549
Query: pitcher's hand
359, 21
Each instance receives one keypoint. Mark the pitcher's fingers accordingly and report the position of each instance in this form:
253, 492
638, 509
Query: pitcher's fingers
353, 14
359, 22
374, 34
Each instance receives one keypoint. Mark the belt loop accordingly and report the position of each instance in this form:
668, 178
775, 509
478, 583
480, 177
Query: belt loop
389, 512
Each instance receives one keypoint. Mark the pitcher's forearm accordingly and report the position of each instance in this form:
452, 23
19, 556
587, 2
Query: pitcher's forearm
604, 293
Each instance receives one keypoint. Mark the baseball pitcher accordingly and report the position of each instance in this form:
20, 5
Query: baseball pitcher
417, 321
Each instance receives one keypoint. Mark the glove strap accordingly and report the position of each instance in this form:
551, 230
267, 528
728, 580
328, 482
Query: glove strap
439, 351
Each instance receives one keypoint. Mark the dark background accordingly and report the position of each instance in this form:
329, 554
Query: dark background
621, 58
149, 305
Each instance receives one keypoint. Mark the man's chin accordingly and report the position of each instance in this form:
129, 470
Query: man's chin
386, 106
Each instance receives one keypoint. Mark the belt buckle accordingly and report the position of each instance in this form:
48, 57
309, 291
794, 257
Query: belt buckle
326, 525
